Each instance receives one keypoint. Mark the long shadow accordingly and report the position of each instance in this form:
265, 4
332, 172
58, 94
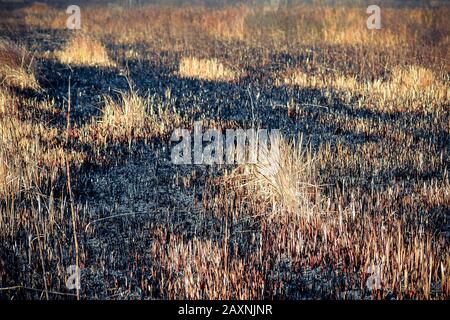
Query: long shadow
249, 101
242, 102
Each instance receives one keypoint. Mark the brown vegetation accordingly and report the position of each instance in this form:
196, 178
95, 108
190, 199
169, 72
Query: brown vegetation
207, 69
16, 66
85, 175
84, 50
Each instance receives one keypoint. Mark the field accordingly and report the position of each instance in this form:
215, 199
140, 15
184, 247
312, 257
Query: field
354, 205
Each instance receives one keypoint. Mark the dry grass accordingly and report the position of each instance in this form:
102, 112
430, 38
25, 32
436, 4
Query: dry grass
31, 153
22, 156
206, 69
84, 50
371, 192
16, 66
341, 230
7, 101
36, 8
283, 177
32, 158
152, 22
305, 240
300, 24
411, 88
132, 117
194, 269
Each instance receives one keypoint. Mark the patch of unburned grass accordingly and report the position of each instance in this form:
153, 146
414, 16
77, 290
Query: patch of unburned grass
132, 117
411, 88
206, 69
84, 50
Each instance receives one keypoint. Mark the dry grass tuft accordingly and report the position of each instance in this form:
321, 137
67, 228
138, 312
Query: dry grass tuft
16, 66
413, 77
131, 113
207, 69
133, 117
282, 178
84, 50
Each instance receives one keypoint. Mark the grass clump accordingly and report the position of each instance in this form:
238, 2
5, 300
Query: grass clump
17, 66
86, 51
282, 178
206, 69
132, 117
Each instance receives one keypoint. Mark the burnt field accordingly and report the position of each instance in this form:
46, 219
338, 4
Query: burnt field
355, 205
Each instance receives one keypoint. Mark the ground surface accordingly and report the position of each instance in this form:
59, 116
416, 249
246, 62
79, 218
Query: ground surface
142, 221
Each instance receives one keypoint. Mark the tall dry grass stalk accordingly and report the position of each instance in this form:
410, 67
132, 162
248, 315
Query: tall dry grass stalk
84, 50
17, 66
